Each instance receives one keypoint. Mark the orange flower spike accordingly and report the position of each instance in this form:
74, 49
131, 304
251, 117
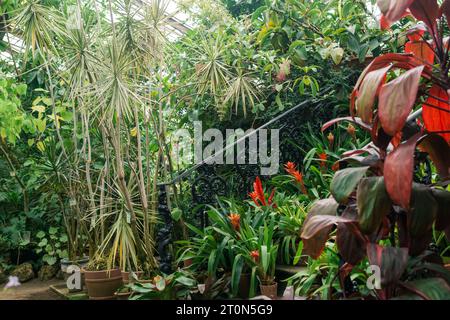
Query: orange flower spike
290, 167
235, 220
330, 138
335, 166
257, 185
323, 160
255, 255
270, 200
351, 130
254, 197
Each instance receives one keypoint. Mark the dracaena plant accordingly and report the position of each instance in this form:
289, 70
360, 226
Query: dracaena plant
383, 206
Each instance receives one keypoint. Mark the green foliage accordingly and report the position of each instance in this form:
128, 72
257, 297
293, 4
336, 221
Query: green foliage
52, 245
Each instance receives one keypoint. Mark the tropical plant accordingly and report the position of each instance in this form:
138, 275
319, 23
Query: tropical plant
178, 285
382, 209
52, 245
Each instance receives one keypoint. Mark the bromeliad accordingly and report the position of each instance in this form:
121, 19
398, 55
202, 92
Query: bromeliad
258, 196
291, 168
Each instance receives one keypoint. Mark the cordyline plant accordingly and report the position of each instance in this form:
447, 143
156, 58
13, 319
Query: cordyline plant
383, 207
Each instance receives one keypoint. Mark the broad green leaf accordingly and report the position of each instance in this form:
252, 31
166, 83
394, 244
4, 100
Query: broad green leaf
373, 203
431, 288
345, 181
40, 234
176, 214
236, 273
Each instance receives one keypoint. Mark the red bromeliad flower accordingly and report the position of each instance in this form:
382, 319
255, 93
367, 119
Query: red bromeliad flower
323, 160
255, 255
291, 168
235, 220
335, 166
258, 196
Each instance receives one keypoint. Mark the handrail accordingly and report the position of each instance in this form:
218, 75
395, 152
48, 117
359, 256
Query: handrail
187, 172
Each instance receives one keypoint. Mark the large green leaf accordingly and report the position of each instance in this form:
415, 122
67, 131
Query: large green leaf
373, 203
236, 273
430, 288
345, 181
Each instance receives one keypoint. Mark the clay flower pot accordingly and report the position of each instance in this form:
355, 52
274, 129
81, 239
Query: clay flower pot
101, 285
122, 295
269, 290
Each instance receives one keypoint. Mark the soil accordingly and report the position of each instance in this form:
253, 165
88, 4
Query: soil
31, 290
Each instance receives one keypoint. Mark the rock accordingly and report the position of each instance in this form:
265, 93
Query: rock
24, 272
47, 272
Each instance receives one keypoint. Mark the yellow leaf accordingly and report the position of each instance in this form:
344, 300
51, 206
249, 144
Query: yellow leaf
40, 145
133, 132
38, 108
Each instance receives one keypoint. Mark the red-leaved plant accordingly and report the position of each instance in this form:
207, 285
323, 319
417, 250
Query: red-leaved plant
380, 210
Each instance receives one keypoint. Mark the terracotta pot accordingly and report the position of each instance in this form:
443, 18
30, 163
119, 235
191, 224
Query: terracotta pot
244, 285
447, 266
269, 290
101, 285
122, 295
127, 277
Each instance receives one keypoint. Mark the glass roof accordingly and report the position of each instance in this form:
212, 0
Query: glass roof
178, 23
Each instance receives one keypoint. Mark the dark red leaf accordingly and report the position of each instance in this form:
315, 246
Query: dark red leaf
397, 99
350, 119
393, 10
434, 119
368, 91
422, 51
417, 245
398, 172
392, 262
426, 11
423, 212
445, 10
439, 152
314, 247
350, 242
442, 197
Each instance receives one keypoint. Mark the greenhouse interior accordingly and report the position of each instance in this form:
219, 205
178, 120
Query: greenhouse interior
230, 150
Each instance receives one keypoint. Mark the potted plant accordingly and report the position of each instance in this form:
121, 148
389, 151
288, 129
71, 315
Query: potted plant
101, 280
266, 270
